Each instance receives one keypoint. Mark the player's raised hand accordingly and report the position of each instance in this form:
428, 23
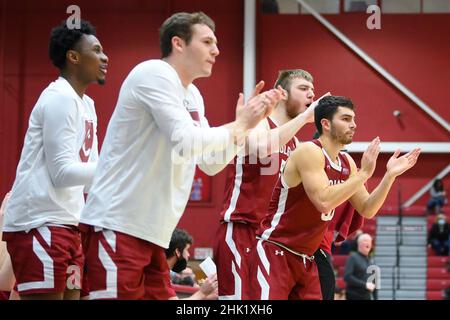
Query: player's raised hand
369, 158
259, 106
397, 165
309, 112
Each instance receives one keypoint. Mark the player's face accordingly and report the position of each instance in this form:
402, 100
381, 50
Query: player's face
343, 126
93, 61
201, 52
301, 95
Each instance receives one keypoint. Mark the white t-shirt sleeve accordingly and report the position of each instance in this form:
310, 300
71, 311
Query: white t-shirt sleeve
60, 144
159, 94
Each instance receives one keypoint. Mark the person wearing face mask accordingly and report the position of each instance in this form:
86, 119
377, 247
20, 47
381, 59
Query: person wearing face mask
356, 275
177, 257
439, 235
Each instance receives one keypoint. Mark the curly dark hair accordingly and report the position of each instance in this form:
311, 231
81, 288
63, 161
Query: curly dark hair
327, 107
63, 39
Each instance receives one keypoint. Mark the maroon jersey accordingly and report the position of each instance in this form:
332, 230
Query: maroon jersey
345, 222
293, 221
248, 189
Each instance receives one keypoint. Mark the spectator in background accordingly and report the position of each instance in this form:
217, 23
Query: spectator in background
355, 275
177, 257
438, 197
439, 235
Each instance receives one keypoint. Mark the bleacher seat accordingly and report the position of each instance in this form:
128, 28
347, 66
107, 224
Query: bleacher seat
339, 260
435, 295
340, 271
437, 261
184, 291
340, 283
438, 284
438, 273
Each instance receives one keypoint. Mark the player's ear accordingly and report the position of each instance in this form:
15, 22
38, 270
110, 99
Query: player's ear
326, 124
72, 57
284, 95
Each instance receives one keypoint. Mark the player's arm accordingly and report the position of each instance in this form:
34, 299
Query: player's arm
213, 161
188, 140
309, 162
368, 204
265, 141
60, 144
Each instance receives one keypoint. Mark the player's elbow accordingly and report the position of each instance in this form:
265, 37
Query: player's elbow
323, 206
368, 214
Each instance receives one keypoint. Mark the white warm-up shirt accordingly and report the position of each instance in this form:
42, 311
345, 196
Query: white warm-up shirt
58, 160
147, 164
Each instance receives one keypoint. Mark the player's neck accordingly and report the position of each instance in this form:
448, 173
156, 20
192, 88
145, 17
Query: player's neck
77, 85
280, 115
182, 71
331, 147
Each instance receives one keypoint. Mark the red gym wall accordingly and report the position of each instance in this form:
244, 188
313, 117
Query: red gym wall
411, 47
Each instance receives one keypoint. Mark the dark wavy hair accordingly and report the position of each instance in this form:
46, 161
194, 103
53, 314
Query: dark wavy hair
327, 107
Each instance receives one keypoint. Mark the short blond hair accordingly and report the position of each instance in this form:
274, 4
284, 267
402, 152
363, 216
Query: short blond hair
285, 77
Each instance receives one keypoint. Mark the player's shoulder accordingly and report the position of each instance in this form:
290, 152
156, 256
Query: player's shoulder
59, 93
349, 158
153, 72
308, 151
195, 91
308, 147
154, 67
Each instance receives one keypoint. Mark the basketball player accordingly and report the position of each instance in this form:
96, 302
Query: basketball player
251, 179
145, 172
57, 162
316, 179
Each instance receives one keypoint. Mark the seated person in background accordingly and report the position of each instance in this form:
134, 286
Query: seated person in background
177, 257
439, 235
438, 199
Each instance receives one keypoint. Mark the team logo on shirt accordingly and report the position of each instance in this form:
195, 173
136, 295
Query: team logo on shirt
327, 216
195, 116
86, 148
